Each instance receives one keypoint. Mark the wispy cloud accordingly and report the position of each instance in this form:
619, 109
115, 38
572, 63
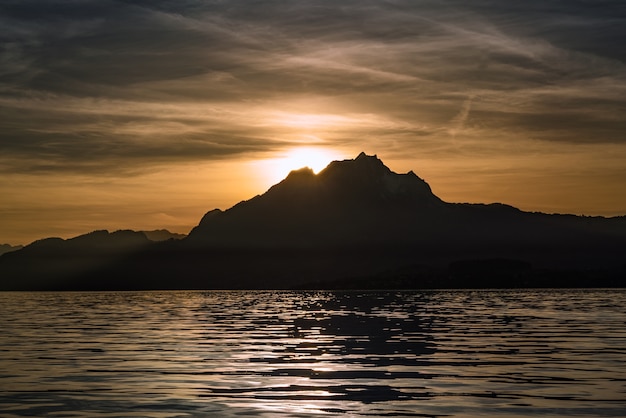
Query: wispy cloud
102, 74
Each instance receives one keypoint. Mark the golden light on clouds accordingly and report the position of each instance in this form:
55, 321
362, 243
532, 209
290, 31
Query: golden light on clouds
311, 121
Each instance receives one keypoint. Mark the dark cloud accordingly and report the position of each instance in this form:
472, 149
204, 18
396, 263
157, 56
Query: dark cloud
97, 143
85, 84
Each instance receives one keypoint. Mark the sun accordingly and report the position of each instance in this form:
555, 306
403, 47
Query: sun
316, 158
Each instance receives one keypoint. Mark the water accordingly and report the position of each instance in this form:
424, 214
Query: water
302, 354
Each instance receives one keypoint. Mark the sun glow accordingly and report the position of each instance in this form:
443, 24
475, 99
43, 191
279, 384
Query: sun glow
311, 121
275, 169
314, 158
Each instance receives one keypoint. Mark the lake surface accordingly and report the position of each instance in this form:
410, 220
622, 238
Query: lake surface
300, 354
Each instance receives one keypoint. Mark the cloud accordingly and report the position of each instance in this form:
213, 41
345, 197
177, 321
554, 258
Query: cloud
85, 85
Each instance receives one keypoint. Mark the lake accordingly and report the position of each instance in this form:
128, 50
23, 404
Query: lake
300, 354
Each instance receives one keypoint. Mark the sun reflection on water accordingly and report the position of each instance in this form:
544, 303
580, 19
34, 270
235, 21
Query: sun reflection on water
504, 354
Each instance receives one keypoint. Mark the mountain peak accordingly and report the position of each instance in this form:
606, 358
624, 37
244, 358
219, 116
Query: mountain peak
302, 172
345, 201
367, 175
371, 161
364, 185
362, 156
363, 166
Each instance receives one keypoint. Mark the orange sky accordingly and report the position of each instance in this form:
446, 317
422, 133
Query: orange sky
146, 116
176, 196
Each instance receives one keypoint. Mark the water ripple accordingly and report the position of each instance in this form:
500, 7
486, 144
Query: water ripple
297, 354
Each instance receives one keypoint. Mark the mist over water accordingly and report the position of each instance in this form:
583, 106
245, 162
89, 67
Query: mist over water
297, 354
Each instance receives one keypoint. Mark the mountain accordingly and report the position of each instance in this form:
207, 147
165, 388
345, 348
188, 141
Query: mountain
349, 203
54, 262
356, 224
362, 204
50, 262
5, 248
162, 235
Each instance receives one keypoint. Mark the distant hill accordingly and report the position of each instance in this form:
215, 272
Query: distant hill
5, 248
356, 224
53, 262
162, 235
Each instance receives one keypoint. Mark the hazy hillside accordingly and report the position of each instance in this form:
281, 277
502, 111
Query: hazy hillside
5, 248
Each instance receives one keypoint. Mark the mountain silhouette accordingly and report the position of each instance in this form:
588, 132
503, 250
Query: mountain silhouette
355, 224
162, 235
5, 248
351, 202
50, 262
361, 203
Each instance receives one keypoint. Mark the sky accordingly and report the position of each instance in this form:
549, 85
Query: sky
147, 114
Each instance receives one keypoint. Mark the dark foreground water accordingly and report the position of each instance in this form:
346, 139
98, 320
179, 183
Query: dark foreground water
448, 353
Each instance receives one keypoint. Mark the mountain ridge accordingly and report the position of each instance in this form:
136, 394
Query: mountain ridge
5, 248
359, 190
356, 222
